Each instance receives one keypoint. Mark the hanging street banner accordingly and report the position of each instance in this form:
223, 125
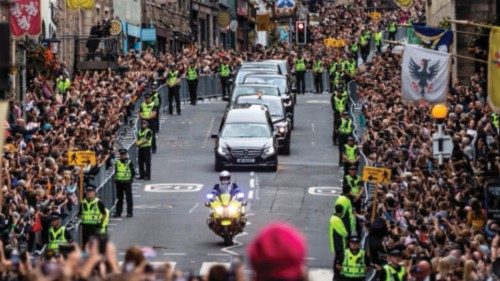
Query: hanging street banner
494, 70
284, 8
25, 18
424, 74
80, 4
262, 22
404, 4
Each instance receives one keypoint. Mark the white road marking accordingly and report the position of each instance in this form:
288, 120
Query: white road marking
250, 195
205, 267
324, 190
316, 274
137, 196
115, 219
312, 125
252, 183
318, 101
174, 254
218, 254
195, 206
173, 187
112, 224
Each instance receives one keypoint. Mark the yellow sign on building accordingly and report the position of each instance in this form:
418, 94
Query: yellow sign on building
82, 158
377, 175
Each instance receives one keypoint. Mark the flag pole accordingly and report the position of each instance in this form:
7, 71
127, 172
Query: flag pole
451, 54
471, 23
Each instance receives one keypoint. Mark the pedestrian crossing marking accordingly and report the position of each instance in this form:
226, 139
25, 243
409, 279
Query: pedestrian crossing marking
205, 267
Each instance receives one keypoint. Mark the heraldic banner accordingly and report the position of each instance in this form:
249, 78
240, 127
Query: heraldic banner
424, 74
25, 18
494, 70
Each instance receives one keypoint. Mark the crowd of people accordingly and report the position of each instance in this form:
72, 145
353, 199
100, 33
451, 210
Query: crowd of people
433, 215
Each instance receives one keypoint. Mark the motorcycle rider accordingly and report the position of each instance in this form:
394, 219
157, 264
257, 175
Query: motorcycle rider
225, 185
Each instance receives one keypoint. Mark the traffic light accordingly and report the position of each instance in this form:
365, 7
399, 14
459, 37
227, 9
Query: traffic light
300, 32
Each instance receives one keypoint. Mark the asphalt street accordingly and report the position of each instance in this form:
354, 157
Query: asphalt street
169, 211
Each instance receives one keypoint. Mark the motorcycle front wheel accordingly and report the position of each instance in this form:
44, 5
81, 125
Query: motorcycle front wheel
228, 238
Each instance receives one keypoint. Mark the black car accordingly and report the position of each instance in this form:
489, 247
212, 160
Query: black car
246, 139
252, 89
281, 82
281, 120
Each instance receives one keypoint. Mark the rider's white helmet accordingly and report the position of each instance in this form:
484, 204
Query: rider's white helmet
225, 177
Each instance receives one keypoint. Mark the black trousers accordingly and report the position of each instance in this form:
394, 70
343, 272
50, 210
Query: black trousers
173, 93
225, 85
336, 122
124, 188
365, 50
144, 162
379, 47
318, 82
300, 78
156, 129
193, 91
336, 272
392, 36
89, 230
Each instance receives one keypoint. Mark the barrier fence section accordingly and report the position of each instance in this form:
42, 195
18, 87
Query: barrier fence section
208, 87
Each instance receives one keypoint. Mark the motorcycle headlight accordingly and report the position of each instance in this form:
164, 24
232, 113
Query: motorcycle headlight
219, 210
287, 102
269, 150
281, 130
222, 150
231, 210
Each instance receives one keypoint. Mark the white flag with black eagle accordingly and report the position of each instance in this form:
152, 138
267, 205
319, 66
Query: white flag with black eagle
424, 74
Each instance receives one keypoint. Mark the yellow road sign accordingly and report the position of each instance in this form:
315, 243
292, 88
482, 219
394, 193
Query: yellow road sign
223, 19
81, 158
376, 175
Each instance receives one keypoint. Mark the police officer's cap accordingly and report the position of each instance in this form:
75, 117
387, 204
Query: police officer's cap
350, 139
339, 209
122, 151
354, 238
90, 187
144, 122
352, 167
147, 95
395, 253
345, 113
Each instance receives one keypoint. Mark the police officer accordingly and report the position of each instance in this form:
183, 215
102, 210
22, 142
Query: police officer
124, 175
378, 41
393, 28
339, 105
58, 234
353, 262
173, 83
148, 113
300, 74
337, 235
354, 50
393, 271
495, 122
350, 157
157, 100
332, 71
352, 185
364, 42
63, 84
318, 75
192, 80
144, 143
93, 215
225, 71
344, 131
347, 214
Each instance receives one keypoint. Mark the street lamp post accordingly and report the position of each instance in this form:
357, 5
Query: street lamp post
442, 145
54, 43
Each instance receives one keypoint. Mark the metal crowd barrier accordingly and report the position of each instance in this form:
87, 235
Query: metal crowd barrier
208, 87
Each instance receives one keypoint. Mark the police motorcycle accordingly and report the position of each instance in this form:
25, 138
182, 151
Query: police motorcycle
227, 214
